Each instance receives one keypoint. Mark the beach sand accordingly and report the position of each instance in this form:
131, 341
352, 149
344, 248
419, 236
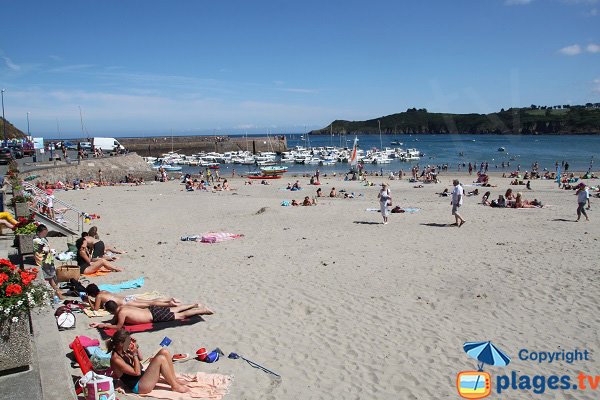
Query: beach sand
344, 307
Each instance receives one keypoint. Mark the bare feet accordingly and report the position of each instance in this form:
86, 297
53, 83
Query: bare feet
180, 388
205, 310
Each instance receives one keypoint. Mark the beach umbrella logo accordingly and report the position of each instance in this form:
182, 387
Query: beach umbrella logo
478, 384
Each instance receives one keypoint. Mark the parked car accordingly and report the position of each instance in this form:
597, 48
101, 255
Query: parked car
28, 149
6, 155
70, 145
17, 149
86, 145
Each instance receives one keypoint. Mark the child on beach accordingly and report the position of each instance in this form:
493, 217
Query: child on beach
44, 258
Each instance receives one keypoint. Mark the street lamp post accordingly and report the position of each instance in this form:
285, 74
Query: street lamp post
3, 119
28, 124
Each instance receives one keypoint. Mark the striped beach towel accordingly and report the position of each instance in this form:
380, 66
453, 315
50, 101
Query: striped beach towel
216, 237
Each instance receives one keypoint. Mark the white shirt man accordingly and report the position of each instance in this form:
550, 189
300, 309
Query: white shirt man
457, 200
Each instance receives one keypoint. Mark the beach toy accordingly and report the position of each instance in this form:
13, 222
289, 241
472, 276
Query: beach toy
211, 357
235, 356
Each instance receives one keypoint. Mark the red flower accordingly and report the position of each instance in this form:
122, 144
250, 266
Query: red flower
13, 289
3, 278
6, 263
27, 277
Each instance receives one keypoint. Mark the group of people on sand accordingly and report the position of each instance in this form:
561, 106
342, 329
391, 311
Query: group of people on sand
510, 200
126, 358
199, 184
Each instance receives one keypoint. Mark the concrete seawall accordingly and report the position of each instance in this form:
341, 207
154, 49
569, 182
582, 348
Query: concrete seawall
113, 169
156, 146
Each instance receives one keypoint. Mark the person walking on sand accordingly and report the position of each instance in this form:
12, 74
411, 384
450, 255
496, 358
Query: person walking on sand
385, 200
457, 200
583, 197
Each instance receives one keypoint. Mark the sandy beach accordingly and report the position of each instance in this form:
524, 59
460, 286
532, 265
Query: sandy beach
344, 307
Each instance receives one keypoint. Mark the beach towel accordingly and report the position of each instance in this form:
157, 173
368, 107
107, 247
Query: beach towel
115, 288
85, 342
100, 272
202, 386
216, 237
411, 210
152, 326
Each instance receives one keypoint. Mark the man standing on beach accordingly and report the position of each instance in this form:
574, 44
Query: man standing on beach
583, 197
317, 175
457, 200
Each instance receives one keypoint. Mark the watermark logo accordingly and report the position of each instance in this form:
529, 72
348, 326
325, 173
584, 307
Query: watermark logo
474, 384
478, 384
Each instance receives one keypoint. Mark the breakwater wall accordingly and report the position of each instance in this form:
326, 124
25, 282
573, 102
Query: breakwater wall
113, 169
156, 146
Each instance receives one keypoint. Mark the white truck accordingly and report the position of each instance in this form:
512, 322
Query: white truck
107, 144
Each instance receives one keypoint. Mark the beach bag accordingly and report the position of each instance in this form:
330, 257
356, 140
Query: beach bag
65, 319
65, 273
97, 387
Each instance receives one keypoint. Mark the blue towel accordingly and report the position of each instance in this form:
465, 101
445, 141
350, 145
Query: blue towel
133, 284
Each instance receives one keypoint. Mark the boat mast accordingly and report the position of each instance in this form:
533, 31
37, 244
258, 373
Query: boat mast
81, 120
380, 140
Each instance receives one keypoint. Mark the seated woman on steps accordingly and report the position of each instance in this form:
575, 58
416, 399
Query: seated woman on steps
126, 365
87, 263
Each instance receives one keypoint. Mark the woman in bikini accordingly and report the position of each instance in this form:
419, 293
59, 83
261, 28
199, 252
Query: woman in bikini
126, 364
88, 264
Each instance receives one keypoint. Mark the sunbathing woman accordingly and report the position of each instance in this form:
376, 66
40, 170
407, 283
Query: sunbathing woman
102, 296
319, 192
126, 365
333, 193
485, 200
88, 264
521, 203
509, 195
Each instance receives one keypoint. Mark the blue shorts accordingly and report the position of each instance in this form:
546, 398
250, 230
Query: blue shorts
136, 388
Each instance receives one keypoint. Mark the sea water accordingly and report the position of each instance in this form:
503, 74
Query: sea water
579, 151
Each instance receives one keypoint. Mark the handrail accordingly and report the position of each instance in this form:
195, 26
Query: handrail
40, 199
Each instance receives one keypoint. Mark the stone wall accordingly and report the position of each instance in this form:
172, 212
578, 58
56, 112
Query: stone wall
113, 169
188, 145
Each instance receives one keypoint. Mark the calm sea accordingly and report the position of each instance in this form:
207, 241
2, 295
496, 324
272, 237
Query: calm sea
577, 150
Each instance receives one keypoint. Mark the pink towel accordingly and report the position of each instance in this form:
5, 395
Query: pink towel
216, 237
86, 342
202, 386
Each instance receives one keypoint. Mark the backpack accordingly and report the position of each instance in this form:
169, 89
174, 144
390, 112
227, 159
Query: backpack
65, 319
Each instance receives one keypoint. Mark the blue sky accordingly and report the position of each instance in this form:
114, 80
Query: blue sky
146, 67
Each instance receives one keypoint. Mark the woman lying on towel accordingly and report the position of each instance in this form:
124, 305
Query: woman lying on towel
87, 263
126, 365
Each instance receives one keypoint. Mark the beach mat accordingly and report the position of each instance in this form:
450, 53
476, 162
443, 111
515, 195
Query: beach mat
151, 326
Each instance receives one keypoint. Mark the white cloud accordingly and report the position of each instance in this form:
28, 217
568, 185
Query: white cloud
298, 90
11, 65
126, 110
593, 48
596, 85
593, 12
572, 50
517, 2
